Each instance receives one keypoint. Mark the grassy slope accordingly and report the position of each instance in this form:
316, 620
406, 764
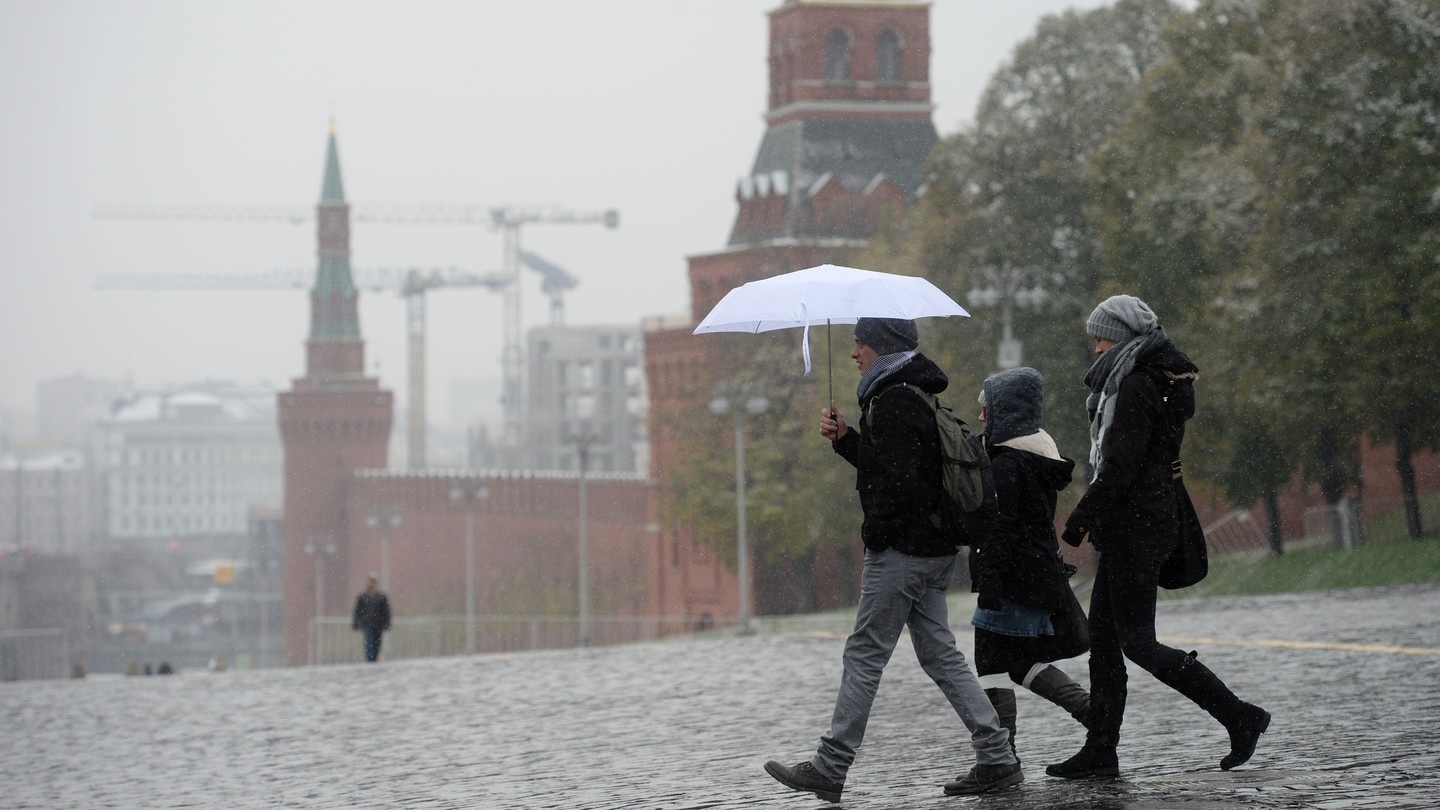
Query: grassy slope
1313, 569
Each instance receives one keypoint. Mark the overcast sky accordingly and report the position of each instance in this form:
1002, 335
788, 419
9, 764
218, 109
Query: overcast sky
652, 107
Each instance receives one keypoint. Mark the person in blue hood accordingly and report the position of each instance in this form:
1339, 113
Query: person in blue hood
1025, 605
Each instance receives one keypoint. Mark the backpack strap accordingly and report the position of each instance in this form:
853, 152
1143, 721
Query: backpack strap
929, 399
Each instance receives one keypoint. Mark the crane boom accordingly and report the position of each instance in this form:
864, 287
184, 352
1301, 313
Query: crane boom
378, 213
507, 220
410, 283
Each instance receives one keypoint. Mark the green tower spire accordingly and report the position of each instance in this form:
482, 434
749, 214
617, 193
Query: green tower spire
333, 311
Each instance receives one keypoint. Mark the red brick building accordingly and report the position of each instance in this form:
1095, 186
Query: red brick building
848, 130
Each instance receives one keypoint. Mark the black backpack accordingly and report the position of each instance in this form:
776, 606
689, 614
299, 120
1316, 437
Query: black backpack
967, 505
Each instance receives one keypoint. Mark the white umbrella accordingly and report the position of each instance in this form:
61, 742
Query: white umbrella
825, 294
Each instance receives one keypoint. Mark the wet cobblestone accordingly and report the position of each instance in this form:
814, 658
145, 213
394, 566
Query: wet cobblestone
1352, 678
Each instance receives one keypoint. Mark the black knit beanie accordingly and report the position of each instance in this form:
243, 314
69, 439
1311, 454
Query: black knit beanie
888, 335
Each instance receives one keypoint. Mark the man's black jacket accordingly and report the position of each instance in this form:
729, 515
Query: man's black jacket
897, 462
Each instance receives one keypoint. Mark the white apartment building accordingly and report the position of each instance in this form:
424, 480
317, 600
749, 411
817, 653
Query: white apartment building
587, 382
44, 501
187, 463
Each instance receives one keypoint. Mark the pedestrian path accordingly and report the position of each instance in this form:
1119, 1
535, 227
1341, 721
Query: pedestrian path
1351, 677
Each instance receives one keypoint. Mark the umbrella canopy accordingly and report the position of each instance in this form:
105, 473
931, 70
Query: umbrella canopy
823, 295
826, 294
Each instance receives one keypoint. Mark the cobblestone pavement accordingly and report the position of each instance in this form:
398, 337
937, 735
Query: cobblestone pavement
1352, 678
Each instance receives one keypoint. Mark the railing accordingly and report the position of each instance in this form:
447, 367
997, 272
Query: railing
1234, 531
334, 642
33, 654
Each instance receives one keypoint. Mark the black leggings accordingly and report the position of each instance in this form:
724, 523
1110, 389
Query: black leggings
1122, 625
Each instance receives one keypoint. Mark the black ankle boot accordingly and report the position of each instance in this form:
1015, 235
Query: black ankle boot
1093, 762
1245, 729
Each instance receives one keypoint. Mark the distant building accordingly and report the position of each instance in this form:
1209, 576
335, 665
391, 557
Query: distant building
44, 501
187, 464
67, 406
587, 381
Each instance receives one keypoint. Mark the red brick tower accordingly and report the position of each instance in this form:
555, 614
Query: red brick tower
333, 421
848, 132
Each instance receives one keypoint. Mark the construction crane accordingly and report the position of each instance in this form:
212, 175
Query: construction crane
556, 281
410, 283
507, 220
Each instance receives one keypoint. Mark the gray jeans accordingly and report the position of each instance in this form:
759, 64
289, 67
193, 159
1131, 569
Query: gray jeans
897, 590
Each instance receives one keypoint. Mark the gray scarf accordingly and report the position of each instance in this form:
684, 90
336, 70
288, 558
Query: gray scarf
1103, 379
884, 366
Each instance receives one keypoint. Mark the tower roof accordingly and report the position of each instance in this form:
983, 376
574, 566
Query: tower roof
332, 190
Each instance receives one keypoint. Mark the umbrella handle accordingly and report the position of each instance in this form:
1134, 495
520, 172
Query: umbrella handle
830, 363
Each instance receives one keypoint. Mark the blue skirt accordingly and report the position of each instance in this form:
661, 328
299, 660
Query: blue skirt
1014, 619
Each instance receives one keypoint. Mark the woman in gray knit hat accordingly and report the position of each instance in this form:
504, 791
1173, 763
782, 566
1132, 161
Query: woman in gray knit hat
1141, 394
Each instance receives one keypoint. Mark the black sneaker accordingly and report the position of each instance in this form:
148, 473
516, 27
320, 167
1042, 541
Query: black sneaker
1093, 762
985, 778
1244, 735
803, 777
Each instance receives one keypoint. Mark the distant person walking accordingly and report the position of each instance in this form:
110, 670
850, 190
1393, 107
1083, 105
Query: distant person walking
372, 616
1026, 613
908, 565
1141, 394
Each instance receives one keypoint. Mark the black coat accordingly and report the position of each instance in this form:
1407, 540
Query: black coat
897, 462
372, 611
1021, 559
1130, 506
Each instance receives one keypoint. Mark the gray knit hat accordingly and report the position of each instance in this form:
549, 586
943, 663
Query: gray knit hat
1121, 317
888, 335
1014, 401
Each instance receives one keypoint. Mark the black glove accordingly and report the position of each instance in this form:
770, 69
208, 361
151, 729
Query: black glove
988, 601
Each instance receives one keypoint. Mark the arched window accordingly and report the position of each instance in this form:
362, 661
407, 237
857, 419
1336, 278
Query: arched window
837, 56
887, 56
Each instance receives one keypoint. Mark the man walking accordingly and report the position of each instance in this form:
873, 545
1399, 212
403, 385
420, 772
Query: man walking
372, 616
908, 565
1142, 391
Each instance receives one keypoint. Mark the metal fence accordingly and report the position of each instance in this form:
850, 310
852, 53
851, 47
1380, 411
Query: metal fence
27, 655
1234, 531
335, 642
1337, 525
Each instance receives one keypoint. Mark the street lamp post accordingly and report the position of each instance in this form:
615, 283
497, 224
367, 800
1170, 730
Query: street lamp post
1005, 285
737, 400
386, 520
582, 443
319, 549
469, 495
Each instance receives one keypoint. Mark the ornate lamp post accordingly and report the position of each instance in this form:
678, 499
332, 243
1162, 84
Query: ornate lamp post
583, 442
386, 520
468, 494
1005, 285
318, 548
737, 400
